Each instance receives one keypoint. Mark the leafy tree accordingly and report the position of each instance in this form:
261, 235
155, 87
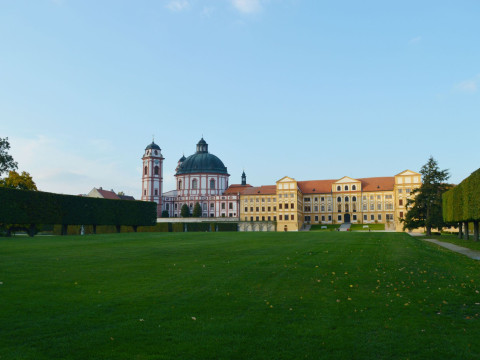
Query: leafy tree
165, 214
21, 181
185, 211
197, 210
6, 160
424, 208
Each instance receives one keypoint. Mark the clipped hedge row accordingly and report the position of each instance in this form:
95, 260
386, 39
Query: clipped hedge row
37, 207
462, 203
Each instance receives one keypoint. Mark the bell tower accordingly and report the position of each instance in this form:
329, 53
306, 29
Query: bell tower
152, 175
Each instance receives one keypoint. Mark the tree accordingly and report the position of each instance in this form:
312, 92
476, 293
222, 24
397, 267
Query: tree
185, 211
6, 160
424, 208
197, 210
22, 181
165, 214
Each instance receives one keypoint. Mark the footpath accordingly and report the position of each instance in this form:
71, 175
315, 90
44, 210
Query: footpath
472, 254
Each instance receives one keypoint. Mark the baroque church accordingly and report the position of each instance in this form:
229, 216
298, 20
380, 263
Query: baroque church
201, 177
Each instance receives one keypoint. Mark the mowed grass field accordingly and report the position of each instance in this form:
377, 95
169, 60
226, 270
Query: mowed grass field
306, 295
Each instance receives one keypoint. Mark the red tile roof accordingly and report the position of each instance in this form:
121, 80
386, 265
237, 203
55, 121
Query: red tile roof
378, 183
261, 190
108, 194
315, 186
236, 188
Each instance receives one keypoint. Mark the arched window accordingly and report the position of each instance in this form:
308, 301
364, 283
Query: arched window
354, 198
346, 198
339, 188
339, 208
354, 187
339, 199
212, 184
156, 152
156, 170
194, 184
346, 187
346, 207
146, 170
179, 184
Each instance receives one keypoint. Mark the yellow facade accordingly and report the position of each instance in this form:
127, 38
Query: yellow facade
294, 204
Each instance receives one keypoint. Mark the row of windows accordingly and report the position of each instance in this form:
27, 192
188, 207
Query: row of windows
195, 184
257, 209
354, 217
257, 218
346, 188
204, 206
258, 200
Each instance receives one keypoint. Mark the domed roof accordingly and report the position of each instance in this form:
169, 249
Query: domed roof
202, 162
152, 146
182, 159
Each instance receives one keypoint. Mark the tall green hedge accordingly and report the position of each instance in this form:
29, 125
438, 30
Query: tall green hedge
37, 207
462, 203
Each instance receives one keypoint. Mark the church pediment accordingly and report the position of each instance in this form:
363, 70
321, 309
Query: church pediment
285, 179
346, 180
407, 173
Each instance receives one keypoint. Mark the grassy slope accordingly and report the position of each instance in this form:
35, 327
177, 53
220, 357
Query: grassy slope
262, 295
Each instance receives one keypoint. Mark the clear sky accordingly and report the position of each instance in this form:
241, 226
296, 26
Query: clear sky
306, 88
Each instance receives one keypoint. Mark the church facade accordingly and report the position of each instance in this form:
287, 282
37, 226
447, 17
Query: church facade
202, 177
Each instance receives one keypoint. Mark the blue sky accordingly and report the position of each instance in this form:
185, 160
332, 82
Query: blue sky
308, 89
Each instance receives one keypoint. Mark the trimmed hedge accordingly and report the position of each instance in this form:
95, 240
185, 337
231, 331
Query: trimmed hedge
462, 203
37, 207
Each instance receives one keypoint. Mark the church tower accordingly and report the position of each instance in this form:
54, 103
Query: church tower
152, 178
244, 178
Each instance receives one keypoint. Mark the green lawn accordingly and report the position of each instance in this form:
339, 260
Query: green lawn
330, 227
360, 227
331, 295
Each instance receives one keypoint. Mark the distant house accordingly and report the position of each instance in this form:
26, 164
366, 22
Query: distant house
108, 194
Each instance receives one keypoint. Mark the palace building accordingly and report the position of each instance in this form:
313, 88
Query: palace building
291, 204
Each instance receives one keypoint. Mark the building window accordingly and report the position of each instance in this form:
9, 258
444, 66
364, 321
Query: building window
167, 206
286, 206
269, 218
339, 188
339, 217
323, 217
246, 209
307, 218
293, 217
251, 218
354, 187
230, 206
400, 202
155, 169
316, 218
388, 196
256, 218
316, 199
354, 198
175, 206
279, 217
274, 218
316, 208
194, 184
339, 199
307, 209
292, 206
329, 217
322, 199
379, 217
346, 187
379, 207
286, 217
144, 192
263, 200
307, 199
257, 209
179, 184
354, 217
407, 191
399, 191
372, 206
156, 191
280, 206
223, 206
347, 198
364, 207
263, 208
339, 208
346, 207
212, 205
274, 208
212, 184
269, 209
372, 217
401, 214
263, 218
251, 208
365, 217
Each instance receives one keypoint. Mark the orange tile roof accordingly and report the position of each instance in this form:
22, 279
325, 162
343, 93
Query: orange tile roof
378, 183
315, 186
261, 190
236, 188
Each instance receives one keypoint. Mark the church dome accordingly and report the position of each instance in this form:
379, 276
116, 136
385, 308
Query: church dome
152, 146
202, 162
